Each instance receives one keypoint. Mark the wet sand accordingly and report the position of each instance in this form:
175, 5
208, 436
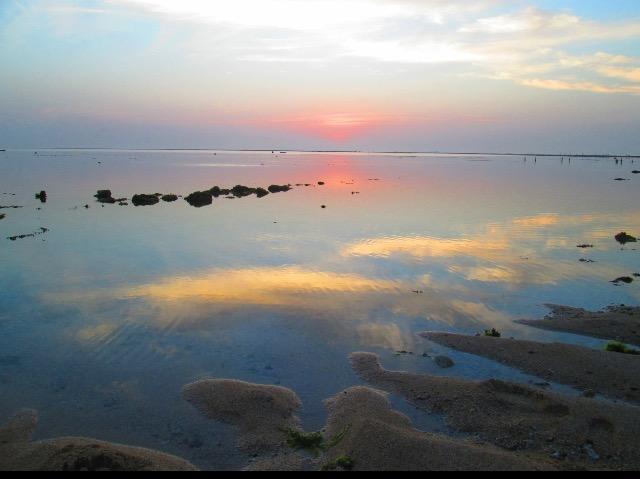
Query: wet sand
262, 413
575, 432
380, 439
18, 453
620, 323
614, 375
361, 428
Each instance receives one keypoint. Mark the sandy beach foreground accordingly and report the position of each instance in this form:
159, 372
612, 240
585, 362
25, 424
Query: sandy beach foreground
495, 425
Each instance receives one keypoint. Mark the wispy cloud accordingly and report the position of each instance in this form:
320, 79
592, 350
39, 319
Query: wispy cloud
516, 45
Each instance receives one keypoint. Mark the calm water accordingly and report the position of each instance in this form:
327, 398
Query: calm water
108, 314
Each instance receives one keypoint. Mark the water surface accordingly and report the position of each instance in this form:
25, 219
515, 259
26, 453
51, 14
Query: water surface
104, 317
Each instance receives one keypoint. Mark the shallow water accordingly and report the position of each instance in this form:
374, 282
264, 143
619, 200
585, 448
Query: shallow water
106, 316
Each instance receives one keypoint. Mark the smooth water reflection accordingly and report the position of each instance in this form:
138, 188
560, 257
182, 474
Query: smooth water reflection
106, 316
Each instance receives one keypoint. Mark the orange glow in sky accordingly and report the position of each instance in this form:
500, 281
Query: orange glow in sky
337, 127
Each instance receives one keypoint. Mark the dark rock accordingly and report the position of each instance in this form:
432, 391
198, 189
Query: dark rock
621, 179
260, 192
198, 199
145, 200
323, 206
2, 217
623, 279
635, 172
584, 246
623, 238
241, 191
321, 183
42, 196
170, 198
444, 362
103, 194
215, 191
279, 188
30, 235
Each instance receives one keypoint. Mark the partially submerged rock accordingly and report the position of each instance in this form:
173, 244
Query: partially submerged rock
105, 196
279, 188
198, 199
2, 216
262, 413
624, 238
217, 191
42, 196
240, 191
145, 200
519, 418
444, 362
623, 279
170, 198
18, 453
41, 231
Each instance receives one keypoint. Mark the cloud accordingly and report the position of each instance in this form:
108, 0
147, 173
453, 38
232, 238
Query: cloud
562, 85
528, 21
516, 45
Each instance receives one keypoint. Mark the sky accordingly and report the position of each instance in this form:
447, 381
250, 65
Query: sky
372, 75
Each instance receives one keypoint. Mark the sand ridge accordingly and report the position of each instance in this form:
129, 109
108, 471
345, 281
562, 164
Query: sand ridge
17, 453
620, 323
614, 375
377, 438
578, 432
262, 413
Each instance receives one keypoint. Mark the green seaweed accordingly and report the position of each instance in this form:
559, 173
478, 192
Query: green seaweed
492, 333
335, 440
312, 441
342, 462
618, 347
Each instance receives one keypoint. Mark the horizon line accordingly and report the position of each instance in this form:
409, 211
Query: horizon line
283, 150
